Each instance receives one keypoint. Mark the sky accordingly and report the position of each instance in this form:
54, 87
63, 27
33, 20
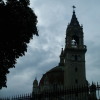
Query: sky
43, 51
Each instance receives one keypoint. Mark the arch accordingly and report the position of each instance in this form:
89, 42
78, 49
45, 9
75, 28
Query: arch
72, 57
64, 60
75, 57
76, 94
79, 57
76, 69
76, 38
43, 99
76, 81
55, 86
55, 99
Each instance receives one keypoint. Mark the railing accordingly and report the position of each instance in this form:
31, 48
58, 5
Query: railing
76, 46
72, 93
19, 97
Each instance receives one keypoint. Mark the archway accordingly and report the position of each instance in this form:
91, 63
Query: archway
76, 38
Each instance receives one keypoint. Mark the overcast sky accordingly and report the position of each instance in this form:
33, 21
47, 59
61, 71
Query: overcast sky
43, 51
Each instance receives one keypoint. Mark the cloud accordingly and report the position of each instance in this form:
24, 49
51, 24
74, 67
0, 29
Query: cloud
43, 51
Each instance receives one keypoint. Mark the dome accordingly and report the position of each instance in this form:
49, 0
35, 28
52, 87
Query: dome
55, 74
46, 78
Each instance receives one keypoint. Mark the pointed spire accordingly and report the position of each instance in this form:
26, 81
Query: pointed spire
35, 81
61, 52
61, 63
74, 21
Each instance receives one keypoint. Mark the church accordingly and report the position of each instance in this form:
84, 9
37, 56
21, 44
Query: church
71, 70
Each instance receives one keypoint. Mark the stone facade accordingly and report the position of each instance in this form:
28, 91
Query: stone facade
71, 68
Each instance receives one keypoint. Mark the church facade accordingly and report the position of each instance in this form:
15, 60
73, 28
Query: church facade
71, 68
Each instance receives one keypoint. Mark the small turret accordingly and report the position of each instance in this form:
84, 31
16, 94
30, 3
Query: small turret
35, 86
61, 63
93, 91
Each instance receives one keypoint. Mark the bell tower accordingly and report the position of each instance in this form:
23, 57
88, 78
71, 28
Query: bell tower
74, 54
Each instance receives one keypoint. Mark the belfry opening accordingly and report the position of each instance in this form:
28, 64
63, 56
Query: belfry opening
76, 38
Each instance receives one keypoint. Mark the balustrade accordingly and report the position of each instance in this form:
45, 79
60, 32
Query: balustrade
76, 46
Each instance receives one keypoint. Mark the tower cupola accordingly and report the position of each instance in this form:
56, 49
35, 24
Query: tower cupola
35, 86
74, 32
35, 82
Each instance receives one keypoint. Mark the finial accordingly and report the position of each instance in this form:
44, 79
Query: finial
73, 7
36, 77
92, 82
81, 25
61, 51
62, 46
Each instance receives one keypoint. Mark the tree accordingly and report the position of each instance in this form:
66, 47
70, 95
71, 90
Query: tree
17, 27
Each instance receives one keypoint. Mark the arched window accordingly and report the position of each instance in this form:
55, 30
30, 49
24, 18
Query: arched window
76, 81
75, 57
73, 42
55, 86
64, 60
72, 57
76, 69
76, 94
79, 58
76, 38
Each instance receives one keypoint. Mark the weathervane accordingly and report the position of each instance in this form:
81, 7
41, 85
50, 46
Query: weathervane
73, 7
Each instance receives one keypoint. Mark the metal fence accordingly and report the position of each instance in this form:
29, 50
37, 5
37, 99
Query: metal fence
19, 97
73, 93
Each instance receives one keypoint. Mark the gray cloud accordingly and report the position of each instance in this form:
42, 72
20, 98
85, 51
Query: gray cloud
43, 51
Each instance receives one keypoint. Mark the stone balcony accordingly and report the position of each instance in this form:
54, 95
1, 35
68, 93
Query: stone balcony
77, 48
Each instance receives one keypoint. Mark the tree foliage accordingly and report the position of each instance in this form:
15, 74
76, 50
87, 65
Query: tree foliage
17, 27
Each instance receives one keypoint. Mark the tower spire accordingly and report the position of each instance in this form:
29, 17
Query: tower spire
62, 52
74, 21
61, 63
74, 56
